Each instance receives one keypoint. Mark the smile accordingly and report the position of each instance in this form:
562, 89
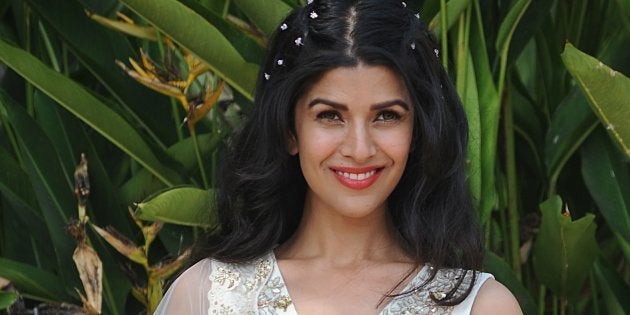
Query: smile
357, 178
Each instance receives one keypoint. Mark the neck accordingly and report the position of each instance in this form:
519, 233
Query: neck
341, 240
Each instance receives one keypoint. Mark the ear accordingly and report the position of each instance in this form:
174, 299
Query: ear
292, 144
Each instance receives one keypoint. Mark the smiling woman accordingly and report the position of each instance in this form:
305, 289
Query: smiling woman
345, 192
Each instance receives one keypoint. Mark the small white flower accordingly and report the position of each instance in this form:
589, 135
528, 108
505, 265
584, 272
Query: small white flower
284, 26
413, 46
417, 15
404, 4
298, 41
267, 76
309, 1
280, 62
313, 15
437, 52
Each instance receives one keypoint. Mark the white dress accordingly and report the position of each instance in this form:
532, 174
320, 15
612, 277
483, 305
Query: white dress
212, 287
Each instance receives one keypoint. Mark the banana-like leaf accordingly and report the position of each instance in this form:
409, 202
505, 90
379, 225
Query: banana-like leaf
87, 107
7, 299
606, 90
607, 178
564, 250
571, 124
193, 32
183, 205
266, 14
34, 282
615, 291
504, 274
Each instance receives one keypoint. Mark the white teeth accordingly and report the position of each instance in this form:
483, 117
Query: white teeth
360, 176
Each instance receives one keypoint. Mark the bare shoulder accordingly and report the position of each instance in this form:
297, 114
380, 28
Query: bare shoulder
494, 298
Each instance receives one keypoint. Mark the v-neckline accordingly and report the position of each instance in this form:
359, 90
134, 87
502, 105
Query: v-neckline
407, 288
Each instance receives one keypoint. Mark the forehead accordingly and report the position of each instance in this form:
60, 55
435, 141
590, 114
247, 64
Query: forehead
357, 84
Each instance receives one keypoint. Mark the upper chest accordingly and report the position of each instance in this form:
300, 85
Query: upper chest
260, 288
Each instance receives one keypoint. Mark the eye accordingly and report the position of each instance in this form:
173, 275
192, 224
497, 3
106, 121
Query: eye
329, 115
388, 116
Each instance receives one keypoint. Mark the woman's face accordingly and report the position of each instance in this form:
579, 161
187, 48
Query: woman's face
353, 134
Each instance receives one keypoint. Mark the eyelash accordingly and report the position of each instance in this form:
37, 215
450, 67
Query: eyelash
384, 116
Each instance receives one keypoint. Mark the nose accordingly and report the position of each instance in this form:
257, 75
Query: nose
358, 143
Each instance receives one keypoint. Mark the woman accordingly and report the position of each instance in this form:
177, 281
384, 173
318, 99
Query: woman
345, 192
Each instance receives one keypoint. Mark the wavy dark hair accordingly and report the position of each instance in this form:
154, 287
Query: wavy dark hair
261, 190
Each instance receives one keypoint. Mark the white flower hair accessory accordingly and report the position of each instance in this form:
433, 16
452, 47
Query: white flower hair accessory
280, 62
313, 15
298, 41
267, 76
284, 26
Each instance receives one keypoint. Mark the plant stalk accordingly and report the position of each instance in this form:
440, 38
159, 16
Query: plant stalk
443, 34
202, 170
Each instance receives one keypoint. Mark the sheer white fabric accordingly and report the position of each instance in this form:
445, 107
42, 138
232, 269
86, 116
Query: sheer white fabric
189, 293
212, 287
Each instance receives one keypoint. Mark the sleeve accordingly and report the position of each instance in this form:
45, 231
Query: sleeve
466, 305
189, 293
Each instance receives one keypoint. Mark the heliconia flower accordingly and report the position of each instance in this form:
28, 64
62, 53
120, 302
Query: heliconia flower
168, 80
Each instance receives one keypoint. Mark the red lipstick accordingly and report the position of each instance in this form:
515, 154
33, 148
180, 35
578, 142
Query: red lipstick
357, 177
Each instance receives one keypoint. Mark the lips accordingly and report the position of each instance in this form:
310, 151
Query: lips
357, 178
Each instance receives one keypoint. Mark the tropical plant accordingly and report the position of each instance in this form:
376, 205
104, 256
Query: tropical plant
543, 82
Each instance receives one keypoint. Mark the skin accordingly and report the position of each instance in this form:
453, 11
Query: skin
343, 257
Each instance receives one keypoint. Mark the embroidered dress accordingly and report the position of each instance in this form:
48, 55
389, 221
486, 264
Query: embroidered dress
211, 287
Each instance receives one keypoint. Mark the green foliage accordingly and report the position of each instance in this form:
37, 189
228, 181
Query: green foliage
565, 249
167, 207
549, 130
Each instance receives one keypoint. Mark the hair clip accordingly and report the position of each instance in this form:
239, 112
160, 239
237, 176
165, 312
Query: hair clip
267, 76
404, 4
413, 45
313, 15
298, 41
280, 62
437, 52
284, 26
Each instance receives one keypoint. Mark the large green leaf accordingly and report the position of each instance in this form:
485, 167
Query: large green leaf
504, 274
193, 32
615, 291
184, 206
87, 107
470, 100
33, 282
266, 14
607, 178
564, 250
571, 124
606, 90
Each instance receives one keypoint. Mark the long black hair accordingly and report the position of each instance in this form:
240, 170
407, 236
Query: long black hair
261, 192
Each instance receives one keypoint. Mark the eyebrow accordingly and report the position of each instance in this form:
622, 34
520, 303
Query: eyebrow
377, 106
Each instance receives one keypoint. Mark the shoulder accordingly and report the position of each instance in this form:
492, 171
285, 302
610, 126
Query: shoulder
494, 298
